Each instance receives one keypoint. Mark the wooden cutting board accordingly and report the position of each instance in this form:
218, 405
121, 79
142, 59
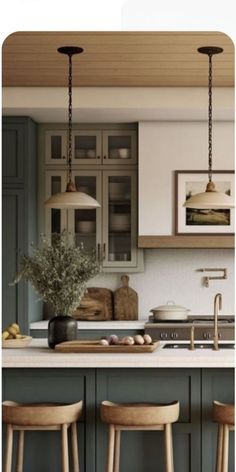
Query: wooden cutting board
96, 305
90, 346
125, 301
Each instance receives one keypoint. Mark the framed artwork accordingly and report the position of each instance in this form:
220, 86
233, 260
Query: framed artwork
193, 221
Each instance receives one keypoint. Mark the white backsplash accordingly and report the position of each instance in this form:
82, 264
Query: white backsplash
171, 275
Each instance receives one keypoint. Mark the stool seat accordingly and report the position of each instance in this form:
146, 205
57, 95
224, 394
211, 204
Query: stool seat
139, 414
40, 414
223, 414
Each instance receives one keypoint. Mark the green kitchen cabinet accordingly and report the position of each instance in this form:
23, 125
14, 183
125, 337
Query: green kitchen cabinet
19, 216
99, 170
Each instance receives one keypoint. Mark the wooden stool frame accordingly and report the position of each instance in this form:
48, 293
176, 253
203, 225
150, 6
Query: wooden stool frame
223, 414
131, 413
21, 428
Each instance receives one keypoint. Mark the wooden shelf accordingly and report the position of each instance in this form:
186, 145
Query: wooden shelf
187, 241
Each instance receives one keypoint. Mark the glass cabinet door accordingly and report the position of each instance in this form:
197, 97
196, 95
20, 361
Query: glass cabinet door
56, 147
86, 147
119, 147
119, 219
86, 224
56, 220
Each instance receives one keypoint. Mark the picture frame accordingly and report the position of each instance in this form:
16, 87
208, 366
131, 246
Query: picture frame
192, 221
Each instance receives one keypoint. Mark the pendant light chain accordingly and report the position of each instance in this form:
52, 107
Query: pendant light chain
69, 159
210, 120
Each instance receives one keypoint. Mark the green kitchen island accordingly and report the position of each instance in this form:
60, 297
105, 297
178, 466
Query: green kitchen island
195, 378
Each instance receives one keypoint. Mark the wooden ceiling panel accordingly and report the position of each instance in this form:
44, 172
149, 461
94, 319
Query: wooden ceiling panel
116, 59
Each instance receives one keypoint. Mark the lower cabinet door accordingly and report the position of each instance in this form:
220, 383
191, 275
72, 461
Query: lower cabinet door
42, 451
143, 451
217, 384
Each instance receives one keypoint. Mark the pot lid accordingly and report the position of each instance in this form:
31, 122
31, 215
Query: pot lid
170, 306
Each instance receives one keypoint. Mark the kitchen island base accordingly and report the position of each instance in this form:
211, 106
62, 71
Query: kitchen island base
194, 436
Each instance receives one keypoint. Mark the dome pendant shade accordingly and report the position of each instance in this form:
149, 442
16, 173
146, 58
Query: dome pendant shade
210, 200
71, 200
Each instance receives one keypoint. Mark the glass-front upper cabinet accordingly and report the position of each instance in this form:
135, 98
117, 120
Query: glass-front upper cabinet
119, 147
119, 219
55, 219
56, 147
86, 148
86, 224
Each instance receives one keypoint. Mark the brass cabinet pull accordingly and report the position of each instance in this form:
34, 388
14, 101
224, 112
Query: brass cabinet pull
99, 252
98, 157
104, 251
104, 157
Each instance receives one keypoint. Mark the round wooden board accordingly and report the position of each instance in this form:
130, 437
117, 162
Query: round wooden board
16, 343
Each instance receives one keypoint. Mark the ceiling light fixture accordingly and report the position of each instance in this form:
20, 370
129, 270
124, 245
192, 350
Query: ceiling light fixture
71, 199
211, 198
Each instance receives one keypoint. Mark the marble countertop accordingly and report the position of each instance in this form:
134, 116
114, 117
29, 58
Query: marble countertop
38, 355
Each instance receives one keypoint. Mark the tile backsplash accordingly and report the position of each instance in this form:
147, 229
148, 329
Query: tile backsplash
171, 275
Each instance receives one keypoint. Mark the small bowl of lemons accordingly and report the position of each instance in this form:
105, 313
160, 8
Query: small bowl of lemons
13, 338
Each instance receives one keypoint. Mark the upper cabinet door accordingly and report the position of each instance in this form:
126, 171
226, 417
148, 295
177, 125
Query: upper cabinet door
119, 147
56, 147
55, 219
119, 219
13, 152
86, 147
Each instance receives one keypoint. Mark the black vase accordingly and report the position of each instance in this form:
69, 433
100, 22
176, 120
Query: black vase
60, 329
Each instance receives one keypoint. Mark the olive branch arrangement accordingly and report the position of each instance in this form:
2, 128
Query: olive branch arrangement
58, 271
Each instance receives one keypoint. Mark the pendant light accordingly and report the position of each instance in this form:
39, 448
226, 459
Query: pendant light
71, 199
211, 198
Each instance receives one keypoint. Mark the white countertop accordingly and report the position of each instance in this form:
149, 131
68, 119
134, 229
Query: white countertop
38, 355
138, 324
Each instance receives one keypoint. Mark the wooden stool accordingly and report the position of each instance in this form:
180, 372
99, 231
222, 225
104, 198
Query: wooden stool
223, 415
137, 416
44, 416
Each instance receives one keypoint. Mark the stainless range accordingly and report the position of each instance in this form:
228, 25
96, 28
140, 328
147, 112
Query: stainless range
180, 330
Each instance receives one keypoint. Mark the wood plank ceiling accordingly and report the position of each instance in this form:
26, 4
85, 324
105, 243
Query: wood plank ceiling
116, 59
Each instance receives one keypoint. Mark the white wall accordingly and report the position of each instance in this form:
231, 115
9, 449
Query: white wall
177, 145
170, 274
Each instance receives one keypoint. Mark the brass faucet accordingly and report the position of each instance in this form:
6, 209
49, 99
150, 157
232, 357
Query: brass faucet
217, 307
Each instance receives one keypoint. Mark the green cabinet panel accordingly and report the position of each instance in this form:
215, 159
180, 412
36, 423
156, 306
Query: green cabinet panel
42, 449
12, 243
19, 216
143, 451
13, 145
216, 385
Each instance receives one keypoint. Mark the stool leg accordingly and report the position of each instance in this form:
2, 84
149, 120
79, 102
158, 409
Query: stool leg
225, 451
64, 449
74, 444
169, 461
117, 451
20, 452
111, 444
8, 450
219, 448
